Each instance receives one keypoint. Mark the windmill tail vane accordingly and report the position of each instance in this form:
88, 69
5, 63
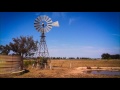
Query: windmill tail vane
55, 24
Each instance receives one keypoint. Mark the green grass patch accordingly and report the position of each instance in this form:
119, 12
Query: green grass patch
26, 63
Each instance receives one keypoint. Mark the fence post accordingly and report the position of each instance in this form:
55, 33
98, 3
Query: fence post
45, 65
70, 65
38, 66
50, 66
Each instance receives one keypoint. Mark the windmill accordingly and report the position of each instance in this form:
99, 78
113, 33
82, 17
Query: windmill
43, 24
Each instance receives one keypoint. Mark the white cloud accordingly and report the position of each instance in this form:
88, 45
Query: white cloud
71, 20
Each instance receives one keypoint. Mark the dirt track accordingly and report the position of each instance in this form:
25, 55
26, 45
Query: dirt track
58, 73
63, 73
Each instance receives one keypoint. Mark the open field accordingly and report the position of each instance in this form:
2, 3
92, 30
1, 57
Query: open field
85, 63
68, 69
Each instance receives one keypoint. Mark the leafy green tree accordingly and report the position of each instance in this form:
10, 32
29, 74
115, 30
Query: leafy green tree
105, 56
23, 46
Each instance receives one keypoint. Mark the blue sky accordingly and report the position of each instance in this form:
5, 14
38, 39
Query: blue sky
80, 34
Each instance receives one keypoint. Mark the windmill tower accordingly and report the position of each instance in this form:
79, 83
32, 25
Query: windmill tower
43, 24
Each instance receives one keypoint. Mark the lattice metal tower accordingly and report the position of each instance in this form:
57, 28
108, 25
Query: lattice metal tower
42, 47
43, 24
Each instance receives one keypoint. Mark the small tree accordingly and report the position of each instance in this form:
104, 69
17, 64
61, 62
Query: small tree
105, 56
23, 46
42, 61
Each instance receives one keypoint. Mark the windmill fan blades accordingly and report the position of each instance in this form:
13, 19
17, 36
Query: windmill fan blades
46, 21
55, 24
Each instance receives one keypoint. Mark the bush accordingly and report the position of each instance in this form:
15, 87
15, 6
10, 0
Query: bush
28, 62
42, 61
88, 67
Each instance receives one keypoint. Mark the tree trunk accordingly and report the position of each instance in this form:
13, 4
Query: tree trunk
21, 62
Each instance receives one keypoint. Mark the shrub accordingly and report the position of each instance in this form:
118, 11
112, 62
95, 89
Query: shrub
28, 62
88, 67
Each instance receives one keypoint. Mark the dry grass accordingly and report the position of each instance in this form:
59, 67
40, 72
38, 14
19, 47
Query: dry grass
60, 73
85, 63
61, 69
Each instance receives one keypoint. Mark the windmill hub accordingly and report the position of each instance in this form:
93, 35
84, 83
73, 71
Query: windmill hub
43, 24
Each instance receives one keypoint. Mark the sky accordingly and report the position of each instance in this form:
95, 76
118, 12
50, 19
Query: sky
80, 34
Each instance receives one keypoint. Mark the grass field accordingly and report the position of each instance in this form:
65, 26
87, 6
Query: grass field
85, 63
80, 63
61, 69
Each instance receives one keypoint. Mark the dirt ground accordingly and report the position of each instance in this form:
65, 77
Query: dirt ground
69, 69
58, 73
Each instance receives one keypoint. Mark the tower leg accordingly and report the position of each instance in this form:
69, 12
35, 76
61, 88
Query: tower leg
42, 54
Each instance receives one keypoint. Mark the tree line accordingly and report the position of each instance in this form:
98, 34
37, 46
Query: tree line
108, 56
62, 58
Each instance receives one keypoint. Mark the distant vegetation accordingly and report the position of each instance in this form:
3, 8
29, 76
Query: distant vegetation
69, 58
108, 56
63, 58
